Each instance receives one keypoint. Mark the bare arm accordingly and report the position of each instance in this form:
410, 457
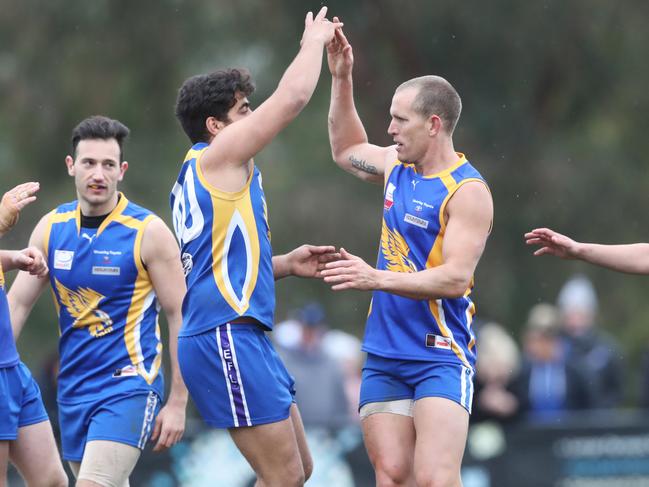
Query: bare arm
470, 213
238, 142
349, 143
630, 258
161, 257
27, 287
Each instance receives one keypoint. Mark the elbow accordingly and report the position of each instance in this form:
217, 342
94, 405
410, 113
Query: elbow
457, 286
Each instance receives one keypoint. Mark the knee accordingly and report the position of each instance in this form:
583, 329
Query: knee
57, 478
438, 478
391, 473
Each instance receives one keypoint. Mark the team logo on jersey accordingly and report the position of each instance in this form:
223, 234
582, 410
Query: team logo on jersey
415, 220
83, 306
63, 259
436, 341
389, 197
396, 251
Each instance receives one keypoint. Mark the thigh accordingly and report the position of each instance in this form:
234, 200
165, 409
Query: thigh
390, 443
441, 425
4, 461
35, 455
271, 449
235, 377
300, 438
107, 463
11, 400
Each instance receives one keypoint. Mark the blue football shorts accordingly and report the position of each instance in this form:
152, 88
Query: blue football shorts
124, 418
20, 401
387, 379
235, 376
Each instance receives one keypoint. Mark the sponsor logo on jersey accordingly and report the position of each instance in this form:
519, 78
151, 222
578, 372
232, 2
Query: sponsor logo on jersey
414, 183
102, 270
436, 341
389, 197
128, 371
63, 259
89, 237
415, 220
188, 263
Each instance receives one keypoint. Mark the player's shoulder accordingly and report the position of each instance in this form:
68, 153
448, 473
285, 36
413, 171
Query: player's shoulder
65, 207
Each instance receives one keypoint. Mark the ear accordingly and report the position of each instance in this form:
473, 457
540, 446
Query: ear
214, 125
434, 125
123, 167
69, 162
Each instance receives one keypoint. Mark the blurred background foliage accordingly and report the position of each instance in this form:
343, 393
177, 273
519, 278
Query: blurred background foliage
555, 105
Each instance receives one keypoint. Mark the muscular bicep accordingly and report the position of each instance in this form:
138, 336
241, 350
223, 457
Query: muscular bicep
366, 161
469, 220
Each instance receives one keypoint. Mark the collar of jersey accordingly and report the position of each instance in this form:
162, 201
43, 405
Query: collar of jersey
445, 172
119, 208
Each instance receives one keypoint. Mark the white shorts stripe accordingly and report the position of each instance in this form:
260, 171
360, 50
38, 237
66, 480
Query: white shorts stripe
236, 366
463, 386
227, 379
149, 413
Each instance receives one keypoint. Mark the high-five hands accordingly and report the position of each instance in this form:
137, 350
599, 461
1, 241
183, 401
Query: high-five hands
319, 28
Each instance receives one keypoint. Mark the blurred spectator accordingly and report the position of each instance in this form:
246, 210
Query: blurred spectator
549, 385
345, 349
594, 351
319, 383
497, 368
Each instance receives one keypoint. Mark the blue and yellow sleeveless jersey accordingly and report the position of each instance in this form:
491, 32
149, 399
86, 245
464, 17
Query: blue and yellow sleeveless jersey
412, 237
108, 311
225, 248
8, 353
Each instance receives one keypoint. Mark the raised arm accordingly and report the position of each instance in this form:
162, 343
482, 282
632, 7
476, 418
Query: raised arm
470, 214
238, 142
349, 144
28, 285
629, 258
161, 257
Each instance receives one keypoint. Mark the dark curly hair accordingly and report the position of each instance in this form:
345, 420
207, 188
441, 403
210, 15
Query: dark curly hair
210, 95
100, 127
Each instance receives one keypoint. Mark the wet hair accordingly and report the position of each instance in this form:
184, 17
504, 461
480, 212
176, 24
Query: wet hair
436, 96
210, 95
100, 127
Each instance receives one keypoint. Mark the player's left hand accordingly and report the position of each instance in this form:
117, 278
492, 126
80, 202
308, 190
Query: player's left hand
308, 260
350, 272
31, 260
15, 200
169, 426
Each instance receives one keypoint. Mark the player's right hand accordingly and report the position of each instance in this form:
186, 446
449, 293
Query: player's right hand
15, 200
319, 29
31, 260
339, 55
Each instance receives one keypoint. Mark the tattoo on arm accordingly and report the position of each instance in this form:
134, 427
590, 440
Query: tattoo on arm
362, 165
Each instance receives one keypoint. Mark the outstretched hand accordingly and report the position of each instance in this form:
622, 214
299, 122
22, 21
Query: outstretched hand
310, 260
319, 28
14, 201
339, 55
552, 243
350, 272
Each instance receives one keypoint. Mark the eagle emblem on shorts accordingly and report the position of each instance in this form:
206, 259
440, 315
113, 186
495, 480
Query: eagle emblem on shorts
83, 306
396, 251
